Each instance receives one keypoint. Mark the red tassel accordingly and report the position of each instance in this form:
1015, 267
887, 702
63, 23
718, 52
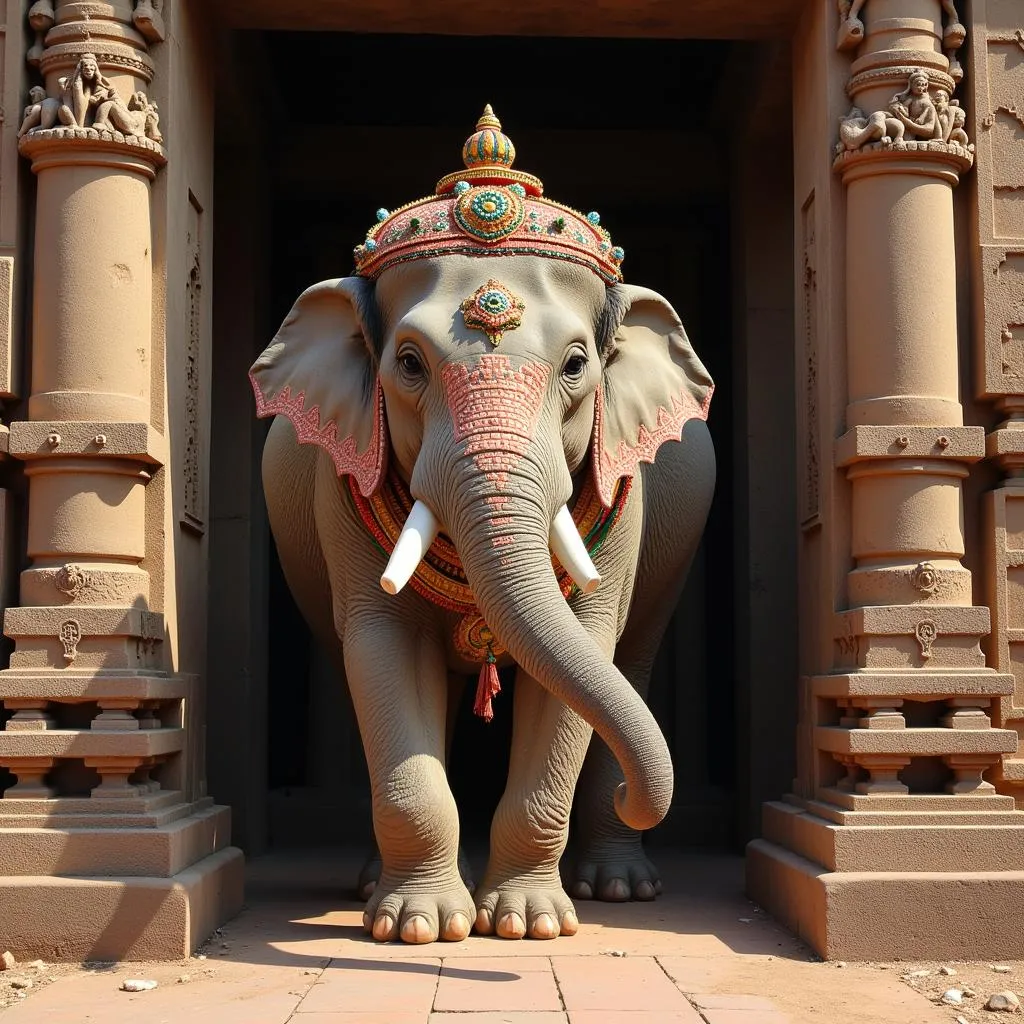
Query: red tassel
488, 686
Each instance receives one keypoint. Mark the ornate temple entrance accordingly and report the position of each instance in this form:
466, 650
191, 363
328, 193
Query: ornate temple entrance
833, 204
648, 155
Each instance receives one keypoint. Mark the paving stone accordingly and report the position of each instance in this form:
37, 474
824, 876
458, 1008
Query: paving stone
405, 986
361, 1017
732, 1002
745, 1017
498, 1018
687, 1016
509, 985
628, 983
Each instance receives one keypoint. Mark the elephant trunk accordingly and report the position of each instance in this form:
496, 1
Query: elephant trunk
503, 541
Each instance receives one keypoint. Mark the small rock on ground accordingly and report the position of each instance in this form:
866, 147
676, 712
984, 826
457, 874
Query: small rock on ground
21, 982
1005, 1001
137, 985
7, 960
1001, 968
953, 997
948, 971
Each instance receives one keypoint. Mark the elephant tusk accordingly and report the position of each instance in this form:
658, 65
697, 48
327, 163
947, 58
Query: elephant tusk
570, 550
417, 535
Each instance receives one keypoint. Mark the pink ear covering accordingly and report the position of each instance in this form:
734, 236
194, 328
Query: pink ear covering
611, 466
367, 468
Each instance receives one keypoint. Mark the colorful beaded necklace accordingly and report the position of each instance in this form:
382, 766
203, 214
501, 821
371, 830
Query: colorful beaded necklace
441, 579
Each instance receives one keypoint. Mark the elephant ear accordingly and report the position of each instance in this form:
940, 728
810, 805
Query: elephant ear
652, 384
321, 372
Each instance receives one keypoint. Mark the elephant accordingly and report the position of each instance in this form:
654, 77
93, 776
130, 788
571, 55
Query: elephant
461, 476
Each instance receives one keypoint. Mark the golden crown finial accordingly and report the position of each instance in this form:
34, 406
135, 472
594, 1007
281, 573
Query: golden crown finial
488, 120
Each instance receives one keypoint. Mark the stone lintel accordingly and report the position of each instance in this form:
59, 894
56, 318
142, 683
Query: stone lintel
90, 687
90, 743
881, 915
912, 742
890, 819
39, 439
98, 806
92, 620
121, 917
961, 444
913, 684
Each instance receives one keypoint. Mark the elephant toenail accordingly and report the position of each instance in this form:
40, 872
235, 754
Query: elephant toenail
511, 927
417, 930
583, 891
570, 923
367, 922
483, 921
383, 928
644, 891
616, 891
457, 928
544, 927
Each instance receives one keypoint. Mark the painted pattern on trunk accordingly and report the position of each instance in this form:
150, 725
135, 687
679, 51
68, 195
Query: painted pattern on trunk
495, 409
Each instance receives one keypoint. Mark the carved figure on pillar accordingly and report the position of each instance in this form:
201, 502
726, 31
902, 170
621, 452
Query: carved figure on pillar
148, 19
41, 111
89, 100
915, 108
952, 118
856, 129
41, 17
913, 115
851, 28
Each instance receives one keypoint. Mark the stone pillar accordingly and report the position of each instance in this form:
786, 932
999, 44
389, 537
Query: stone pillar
998, 279
96, 738
896, 845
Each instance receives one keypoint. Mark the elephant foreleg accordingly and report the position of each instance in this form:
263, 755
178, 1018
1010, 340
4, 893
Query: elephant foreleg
521, 892
370, 871
399, 689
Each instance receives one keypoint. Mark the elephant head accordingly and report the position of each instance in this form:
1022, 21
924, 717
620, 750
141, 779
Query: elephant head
493, 388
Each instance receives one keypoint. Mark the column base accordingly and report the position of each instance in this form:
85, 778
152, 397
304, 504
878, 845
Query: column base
120, 918
889, 914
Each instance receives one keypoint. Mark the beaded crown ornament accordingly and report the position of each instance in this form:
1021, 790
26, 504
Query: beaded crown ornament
488, 209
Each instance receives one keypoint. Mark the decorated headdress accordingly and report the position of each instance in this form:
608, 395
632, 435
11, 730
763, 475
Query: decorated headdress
488, 209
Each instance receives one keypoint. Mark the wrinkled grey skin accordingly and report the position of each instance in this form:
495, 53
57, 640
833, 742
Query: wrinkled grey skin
398, 651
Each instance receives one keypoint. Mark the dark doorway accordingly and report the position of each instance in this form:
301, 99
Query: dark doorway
626, 127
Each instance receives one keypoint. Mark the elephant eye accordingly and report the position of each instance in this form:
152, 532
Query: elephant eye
574, 367
410, 365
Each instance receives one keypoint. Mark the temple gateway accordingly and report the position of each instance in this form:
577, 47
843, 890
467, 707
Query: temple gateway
832, 196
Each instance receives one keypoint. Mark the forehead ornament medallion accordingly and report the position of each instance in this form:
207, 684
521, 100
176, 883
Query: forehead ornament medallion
494, 309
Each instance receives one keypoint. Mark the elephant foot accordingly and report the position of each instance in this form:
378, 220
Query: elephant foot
615, 871
418, 912
521, 909
370, 872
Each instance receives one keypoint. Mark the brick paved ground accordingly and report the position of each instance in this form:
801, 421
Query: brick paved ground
700, 955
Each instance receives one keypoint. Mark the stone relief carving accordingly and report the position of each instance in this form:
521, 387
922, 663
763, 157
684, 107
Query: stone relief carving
41, 111
88, 100
70, 635
193, 415
148, 19
851, 31
70, 579
914, 115
41, 17
925, 578
926, 634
